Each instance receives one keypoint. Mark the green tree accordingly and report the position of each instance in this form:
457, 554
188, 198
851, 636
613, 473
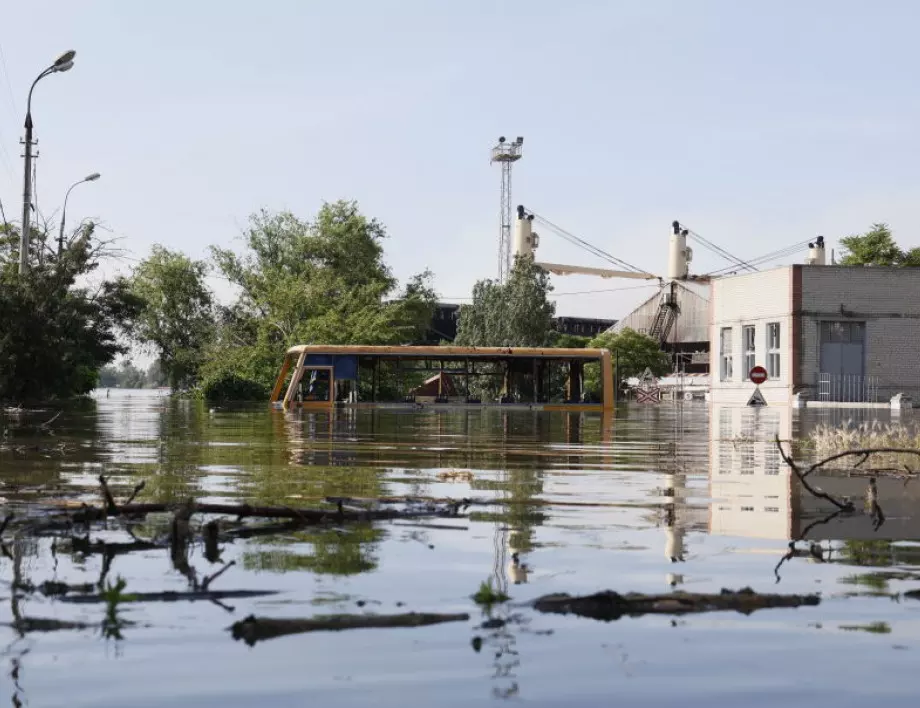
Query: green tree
125, 376
177, 319
877, 247
56, 332
516, 313
319, 282
569, 341
634, 353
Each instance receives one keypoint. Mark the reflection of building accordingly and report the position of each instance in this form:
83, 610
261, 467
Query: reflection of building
755, 495
750, 487
838, 334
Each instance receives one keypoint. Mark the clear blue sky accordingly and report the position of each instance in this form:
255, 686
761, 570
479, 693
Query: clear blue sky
758, 125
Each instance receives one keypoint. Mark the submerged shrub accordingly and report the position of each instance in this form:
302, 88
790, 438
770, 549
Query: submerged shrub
232, 387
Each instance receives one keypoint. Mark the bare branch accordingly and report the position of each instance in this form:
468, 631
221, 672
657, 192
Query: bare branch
842, 505
864, 453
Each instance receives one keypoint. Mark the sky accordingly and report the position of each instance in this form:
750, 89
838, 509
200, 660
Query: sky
756, 125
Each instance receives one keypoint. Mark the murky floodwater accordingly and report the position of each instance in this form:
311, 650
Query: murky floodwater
650, 499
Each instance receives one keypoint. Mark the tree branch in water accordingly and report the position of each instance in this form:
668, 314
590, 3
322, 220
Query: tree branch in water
609, 605
842, 505
254, 629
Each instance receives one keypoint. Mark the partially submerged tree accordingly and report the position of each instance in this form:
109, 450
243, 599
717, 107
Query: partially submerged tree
877, 247
516, 313
56, 332
177, 321
633, 353
322, 282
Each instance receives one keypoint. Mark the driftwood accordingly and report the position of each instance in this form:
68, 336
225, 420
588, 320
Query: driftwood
43, 624
56, 588
609, 605
170, 596
254, 629
305, 516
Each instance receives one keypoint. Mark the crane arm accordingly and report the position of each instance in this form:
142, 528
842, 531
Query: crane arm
559, 269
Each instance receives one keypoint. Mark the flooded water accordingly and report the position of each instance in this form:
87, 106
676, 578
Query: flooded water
651, 499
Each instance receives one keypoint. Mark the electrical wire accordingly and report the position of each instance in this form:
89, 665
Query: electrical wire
772, 256
581, 243
718, 250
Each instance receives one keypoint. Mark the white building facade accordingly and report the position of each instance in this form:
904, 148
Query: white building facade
834, 334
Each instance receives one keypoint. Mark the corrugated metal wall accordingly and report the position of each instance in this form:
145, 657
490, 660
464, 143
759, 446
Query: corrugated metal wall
692, 322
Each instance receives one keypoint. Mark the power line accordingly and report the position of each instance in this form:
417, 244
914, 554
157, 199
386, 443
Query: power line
9, 86
772, 256
591, 248
718, 250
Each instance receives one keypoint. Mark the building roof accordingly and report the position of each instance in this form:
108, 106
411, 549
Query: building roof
692, 323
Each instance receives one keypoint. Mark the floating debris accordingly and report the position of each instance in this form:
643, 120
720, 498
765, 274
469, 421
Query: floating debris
609, 605
254, 629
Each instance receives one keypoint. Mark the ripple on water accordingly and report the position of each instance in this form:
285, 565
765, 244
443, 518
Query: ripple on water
649, 500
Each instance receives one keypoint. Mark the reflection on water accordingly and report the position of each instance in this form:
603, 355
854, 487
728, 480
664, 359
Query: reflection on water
651, 498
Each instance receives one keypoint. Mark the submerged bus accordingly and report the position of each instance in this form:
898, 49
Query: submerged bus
318, 376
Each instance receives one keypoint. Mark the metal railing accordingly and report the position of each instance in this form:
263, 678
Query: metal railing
848, 388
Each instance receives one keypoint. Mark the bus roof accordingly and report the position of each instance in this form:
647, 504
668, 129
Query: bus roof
436, 352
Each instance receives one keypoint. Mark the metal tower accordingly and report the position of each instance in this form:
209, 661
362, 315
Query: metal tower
506, 154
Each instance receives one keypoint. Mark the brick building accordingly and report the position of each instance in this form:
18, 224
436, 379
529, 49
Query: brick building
836, 334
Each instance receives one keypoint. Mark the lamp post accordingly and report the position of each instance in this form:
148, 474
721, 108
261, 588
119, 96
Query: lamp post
89, 178
62, 63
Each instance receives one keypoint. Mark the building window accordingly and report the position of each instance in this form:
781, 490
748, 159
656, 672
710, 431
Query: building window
725, 351
750, 348
773, 370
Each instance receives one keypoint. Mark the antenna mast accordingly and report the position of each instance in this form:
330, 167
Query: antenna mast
506, 154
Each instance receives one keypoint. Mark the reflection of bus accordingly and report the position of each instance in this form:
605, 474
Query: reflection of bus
323, 376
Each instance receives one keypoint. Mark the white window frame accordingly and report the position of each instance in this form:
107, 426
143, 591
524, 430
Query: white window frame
774, 344
725, 357
749, 345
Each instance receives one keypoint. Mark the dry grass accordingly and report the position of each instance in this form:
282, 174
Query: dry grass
827, 441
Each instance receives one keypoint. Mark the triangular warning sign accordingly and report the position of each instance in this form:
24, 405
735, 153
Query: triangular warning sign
757, 398
647, 375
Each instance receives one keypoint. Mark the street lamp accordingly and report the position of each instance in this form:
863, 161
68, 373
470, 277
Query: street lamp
89, 178
62, 63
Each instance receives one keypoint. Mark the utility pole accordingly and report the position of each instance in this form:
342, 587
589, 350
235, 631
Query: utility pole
62, 63
506, 154
26, 197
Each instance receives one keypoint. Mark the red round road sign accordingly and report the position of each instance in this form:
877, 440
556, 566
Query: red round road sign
758, 375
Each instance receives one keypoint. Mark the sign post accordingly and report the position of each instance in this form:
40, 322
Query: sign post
757, 375
647, 391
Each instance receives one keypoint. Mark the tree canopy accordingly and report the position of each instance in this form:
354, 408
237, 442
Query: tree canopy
323, 281
877, 247
56, 331
177, 318
634, 352
516, 313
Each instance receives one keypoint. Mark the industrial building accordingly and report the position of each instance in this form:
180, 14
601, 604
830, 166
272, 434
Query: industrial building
827, 334
446, 316
678, 314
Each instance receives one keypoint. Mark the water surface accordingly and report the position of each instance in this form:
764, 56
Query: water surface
650, 499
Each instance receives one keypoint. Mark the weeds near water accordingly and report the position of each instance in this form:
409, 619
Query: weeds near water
871, 628
114, 595
829, 440
488, 596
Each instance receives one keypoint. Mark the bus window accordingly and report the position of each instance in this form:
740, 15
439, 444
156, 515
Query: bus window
316, 385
